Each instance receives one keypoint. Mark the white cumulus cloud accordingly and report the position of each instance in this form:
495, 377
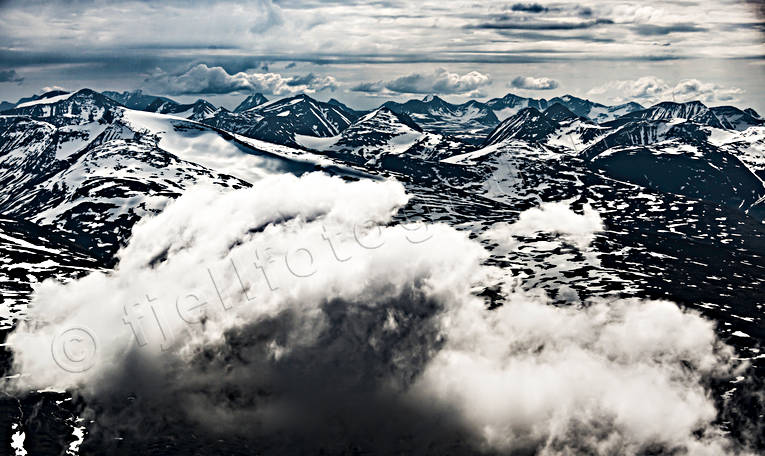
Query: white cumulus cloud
201, 79
556, 218
439, 81
532, 83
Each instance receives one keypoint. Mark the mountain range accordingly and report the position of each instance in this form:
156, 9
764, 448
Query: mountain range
701, 141
679, 186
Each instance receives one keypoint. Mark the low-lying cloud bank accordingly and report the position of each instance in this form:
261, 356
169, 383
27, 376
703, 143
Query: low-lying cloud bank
201, 79
296, 314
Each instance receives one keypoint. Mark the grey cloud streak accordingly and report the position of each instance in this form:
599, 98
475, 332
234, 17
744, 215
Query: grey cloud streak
651, 29
542, 25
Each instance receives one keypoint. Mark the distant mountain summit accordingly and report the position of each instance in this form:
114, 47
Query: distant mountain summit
694, 111
49, 94
559, 113
280, 121
352, 112
528, 125
199, 110
752, 113
470, 121
63, 108
135, 99
384, 134
250, 102
511, 104
378, 128
733, 118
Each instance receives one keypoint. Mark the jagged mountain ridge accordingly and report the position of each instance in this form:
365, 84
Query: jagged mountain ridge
65, 125
511, 104
723, 117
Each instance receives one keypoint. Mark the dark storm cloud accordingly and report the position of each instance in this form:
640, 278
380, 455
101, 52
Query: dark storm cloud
651, 29
529, 7
10, 76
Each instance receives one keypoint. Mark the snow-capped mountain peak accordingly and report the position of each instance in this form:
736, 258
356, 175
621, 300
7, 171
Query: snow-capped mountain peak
280, 121
529, 124
250, 102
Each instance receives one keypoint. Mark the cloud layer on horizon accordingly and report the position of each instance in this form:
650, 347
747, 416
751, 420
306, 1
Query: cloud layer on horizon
650, 90
374, 48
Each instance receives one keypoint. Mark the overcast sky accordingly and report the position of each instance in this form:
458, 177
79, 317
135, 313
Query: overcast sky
366, 51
